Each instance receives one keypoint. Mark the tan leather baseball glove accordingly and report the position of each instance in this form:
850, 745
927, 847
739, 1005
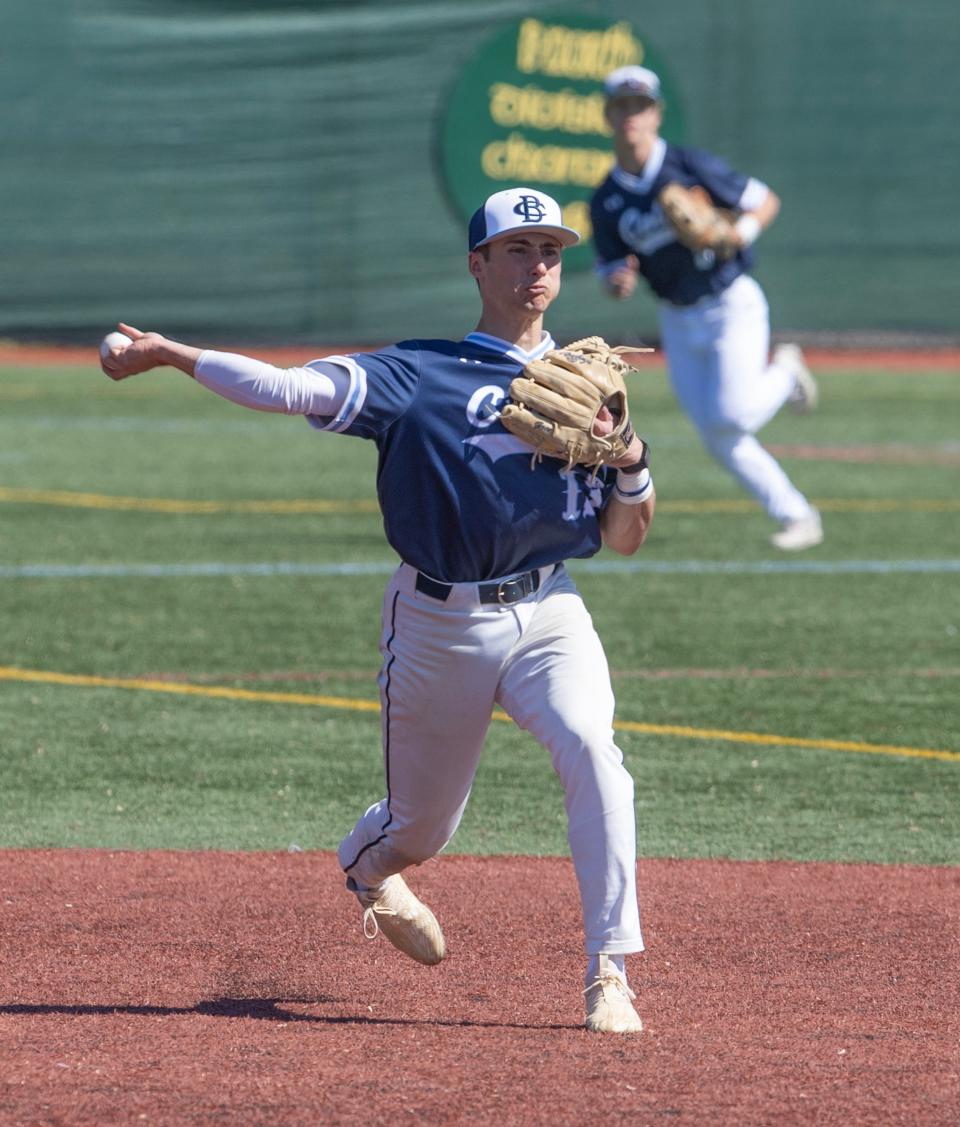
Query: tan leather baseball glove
555, 402
698, 223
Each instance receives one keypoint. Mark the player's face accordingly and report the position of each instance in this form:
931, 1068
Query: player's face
519, 271
633, 117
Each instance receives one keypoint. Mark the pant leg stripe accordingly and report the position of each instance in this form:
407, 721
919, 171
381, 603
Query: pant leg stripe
386, 735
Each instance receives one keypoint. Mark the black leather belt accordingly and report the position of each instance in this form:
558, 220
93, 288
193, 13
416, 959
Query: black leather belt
506, 592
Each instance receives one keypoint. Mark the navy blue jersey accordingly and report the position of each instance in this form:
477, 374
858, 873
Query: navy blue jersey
460, 497
628, 220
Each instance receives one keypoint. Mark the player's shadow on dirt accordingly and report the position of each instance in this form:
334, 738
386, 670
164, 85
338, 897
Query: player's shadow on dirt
265, 1009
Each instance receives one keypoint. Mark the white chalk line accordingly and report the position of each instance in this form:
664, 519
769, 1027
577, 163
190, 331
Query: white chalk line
217, 569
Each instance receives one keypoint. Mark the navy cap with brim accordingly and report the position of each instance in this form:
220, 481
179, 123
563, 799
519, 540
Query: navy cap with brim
633, 81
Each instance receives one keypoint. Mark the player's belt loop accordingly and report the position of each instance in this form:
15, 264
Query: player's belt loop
433, 587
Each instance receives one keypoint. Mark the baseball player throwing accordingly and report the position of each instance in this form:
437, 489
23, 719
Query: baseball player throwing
481, 611
714, 320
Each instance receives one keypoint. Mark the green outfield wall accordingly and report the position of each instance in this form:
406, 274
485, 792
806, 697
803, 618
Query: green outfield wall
230, 170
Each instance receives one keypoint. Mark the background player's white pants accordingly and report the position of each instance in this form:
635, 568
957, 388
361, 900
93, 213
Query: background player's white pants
717, 356
445, 666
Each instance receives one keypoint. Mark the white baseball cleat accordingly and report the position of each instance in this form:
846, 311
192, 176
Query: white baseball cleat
806, 393
609, 1002
410, 926
795, 535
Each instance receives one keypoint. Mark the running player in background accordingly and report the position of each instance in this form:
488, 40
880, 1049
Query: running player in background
714, 320
481, 611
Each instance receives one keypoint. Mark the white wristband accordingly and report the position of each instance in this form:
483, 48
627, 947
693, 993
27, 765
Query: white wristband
633, 488
748, 228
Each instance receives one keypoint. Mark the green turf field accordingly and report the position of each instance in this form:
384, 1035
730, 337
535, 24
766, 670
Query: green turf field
770, 706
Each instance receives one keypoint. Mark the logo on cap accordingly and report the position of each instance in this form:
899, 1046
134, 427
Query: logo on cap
530, 209
633, 80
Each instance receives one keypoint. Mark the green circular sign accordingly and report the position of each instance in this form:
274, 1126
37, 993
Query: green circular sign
527, 110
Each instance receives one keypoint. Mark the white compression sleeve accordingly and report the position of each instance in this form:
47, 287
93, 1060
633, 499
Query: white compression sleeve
288, 391
753, 195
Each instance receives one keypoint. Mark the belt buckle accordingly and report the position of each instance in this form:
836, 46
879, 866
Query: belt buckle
523, 585
503, 594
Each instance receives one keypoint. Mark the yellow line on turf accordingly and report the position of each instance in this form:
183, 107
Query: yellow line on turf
69, 499
759, 738
78, 500
911, 505
840, 505
39, 676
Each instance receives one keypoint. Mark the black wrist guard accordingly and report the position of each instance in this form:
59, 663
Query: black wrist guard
644, 462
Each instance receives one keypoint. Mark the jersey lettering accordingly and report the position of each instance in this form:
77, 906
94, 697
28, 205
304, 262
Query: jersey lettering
581, 502
645, 231
484, 406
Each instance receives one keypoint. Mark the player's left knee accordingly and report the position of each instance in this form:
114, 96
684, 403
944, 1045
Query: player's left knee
587, 753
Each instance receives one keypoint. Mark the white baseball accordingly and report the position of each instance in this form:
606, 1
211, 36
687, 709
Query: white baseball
114, 340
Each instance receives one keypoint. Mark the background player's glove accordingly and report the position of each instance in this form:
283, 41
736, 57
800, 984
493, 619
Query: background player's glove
554, 404
698, 224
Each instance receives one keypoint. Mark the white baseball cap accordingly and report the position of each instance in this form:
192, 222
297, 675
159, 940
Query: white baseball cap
637, 81
518, 209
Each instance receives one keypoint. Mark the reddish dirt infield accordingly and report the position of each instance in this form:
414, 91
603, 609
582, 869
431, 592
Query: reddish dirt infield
186, 988
893, 359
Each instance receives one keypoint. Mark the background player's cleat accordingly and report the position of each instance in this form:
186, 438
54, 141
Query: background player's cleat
806, 394
795, 535
609, 1002
409, 924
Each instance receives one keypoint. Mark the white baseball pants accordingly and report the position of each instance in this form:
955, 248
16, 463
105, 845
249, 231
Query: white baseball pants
717, 356
445, 665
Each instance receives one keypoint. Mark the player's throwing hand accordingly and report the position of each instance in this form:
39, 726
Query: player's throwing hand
145, 352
